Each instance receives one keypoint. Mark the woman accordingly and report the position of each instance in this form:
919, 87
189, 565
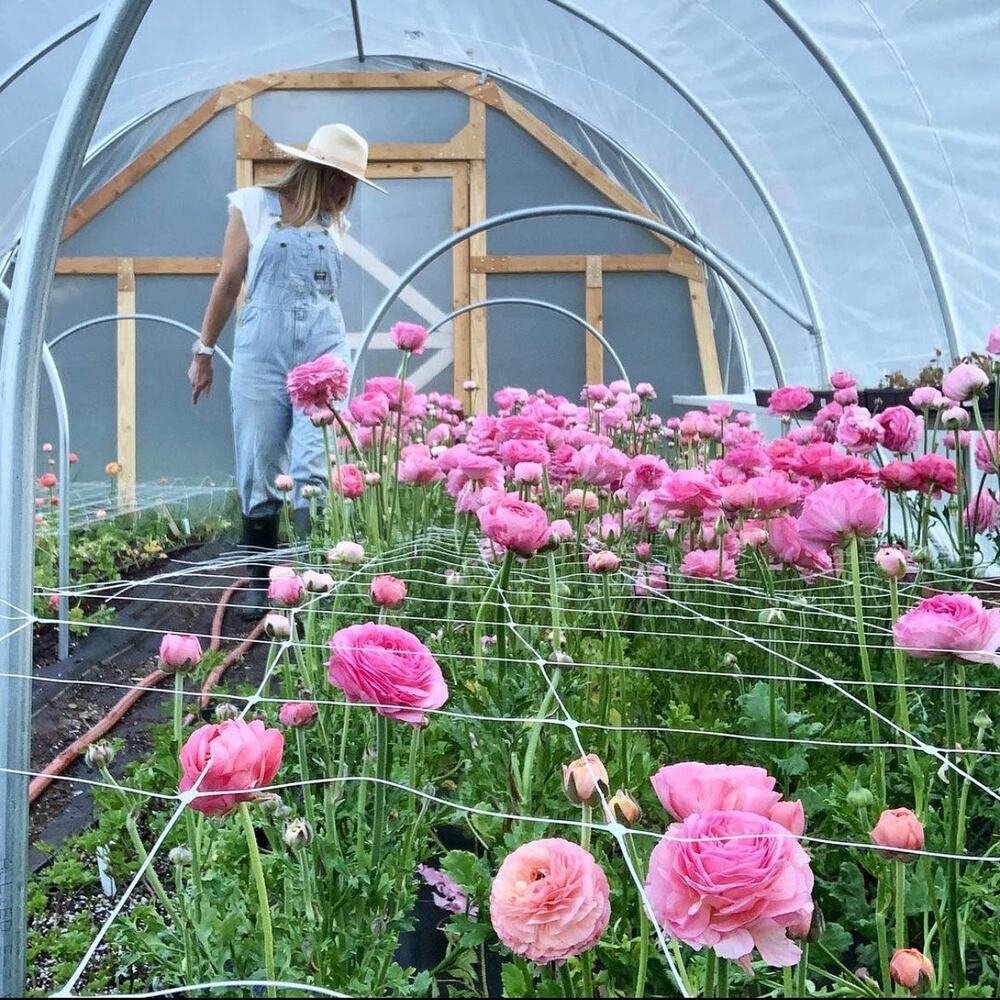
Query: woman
284, 240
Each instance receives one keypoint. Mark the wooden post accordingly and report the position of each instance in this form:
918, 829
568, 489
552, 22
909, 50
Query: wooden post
461, 284
477, 282
126, 384
704, 334
594, 314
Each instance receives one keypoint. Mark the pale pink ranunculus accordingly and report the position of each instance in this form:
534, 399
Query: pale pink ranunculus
560, 530
409, 336
843, 380
277, 625
956, 439
416, 466
687, 493
313, 387
988, 451
346, 552
981, 512
576, 500
515, 450
706, 564
964, 382
387, 668
179, 651
645, 472
693, 787
950, 625
369, 409
550, 900
955, 418
238, 758
836, 512
790, 814
645, 390
286, 591
298, 714
387, 591
599, 465
528, 473
604, 561
518, 525
993, 340
925, 397
284, 483
347, 480
901, 428
789, 399
859, 431
732, 881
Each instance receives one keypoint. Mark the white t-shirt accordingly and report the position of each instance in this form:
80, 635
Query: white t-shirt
252, 203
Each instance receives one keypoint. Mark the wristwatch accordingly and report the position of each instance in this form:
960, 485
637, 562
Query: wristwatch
199, 348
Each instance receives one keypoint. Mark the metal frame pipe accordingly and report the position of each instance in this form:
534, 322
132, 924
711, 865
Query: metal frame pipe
358, 37
597, 211
62, 419
540, 304
42, 50
20, 364
816, 328
867, 122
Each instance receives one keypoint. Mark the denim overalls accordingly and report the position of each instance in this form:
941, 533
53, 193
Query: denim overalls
291, 315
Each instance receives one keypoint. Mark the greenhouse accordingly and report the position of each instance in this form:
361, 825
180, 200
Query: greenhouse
499, 498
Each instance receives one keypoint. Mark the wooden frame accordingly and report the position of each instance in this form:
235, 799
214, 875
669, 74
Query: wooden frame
125, 378
462, 158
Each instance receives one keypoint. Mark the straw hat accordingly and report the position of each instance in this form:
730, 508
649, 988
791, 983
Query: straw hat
336, 146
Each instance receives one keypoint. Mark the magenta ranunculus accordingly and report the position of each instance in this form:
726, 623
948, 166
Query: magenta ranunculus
550, 900
843, 380
313, 387
901, 429
369, 409
836, 512
179, 651
964, 382
387, 591
789, 399
935, 474
388, 668
286, 591
988, 451
409, 336
347, 480
599, 465
298, 714
732, 881
981, 513
238, 758
950, 625
518, 525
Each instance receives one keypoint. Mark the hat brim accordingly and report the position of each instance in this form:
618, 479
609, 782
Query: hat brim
301, 154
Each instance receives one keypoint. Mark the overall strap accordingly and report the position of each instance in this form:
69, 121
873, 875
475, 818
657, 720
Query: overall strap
272, 202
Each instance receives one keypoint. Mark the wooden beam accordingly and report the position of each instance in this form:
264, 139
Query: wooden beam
412, 80
569, 262
141, 265
594, 314
461, 364
704, 334
252, 143
243, 123
125, 368
478, 354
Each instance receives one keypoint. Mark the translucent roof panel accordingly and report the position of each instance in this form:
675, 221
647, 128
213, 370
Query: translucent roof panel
752, 139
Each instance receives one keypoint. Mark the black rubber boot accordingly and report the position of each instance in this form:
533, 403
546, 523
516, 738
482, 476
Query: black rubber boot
260, 534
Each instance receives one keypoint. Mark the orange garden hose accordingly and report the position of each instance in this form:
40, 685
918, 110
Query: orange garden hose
118, 711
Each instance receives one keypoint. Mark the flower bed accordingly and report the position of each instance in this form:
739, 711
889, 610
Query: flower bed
680, 689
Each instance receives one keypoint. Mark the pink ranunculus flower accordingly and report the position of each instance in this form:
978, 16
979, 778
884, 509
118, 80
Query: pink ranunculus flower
286, 591
836, 512
899, 477
550, 900
528, 473
901, 428
790, 814
388, 668
981, 513
417, 468
47, 480
238, 757
387, 591
964, 382
692, 787
604, 561
409, 337
298, 714
892, 561
317, 583
179, 652
347, 480
925, 397
314, 386
369, 409
935, 474
950, 625
706, 564
518, 525
789, 399
732, 881
599, 465
846, 397
898, 832
993, 340
988, 451
687, 493
560, 530
859, 431
843, 380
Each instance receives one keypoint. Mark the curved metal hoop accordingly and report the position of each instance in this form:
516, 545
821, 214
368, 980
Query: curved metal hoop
540, 304
599, 211
62, 419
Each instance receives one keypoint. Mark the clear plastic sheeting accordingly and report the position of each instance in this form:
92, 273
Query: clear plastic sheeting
922, 70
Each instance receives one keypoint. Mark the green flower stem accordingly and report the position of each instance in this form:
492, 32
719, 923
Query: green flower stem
189, 972
382, 774
307, 792
306, 867
395, 458
178, 708
902, 710
866, 669
881, 906
534, 736
586, 964
587, 815
723, 977
262, 901
499, 616
566, 980
788, 983
194, 844
952, 818
802, 971
711, 966
900, 921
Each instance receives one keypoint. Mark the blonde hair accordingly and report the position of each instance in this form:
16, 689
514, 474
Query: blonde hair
313, 189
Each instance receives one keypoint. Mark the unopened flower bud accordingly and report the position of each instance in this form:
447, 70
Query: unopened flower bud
899, 832
912, 970
730, 660
226, 711
99, 755
860, 798
373, 478
771, 616
269, 802
452, 578
298, 833
346, 552
982, 722
623, 808
277, 625
560, 658
585, 780
891, 561
180, 856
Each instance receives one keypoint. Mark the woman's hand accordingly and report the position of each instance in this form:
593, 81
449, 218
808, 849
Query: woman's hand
200, 376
